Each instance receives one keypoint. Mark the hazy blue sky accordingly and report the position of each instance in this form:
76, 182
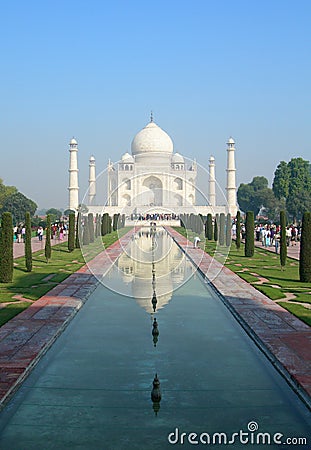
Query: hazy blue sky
94, 69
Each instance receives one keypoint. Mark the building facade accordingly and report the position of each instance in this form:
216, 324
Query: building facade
154, 178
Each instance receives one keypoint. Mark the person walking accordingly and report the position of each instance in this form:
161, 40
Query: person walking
40, 233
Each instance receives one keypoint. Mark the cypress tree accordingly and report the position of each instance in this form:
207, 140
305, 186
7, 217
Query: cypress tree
6, 248
86, 232
209, 227
283, 245
200, 224
28, 250
78, 231
90, 221
109, 226
249, 234
238, 230
104, 228
98, 225
71, 232
228, 230
115, 222
305, 249
216, 222
102, 231
222, 226
48, 248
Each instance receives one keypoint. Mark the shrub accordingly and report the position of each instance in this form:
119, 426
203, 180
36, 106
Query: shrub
104, 224
86, 232
209, 227
71, 232
283, 245
90, 221
115, 222
228, 230
28, 250
6, 248
48, 248
249, 234
238, 230
216, 222
305, 249
78, 231
222, 222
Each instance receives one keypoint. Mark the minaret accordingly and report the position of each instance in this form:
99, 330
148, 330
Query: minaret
212, 182
231, 185
92, 180
73, 176
109, 170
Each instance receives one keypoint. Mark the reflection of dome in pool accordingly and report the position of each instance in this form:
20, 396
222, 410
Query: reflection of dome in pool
148, 255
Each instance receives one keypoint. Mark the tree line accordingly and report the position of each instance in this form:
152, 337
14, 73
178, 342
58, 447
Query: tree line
82, 230
291, 191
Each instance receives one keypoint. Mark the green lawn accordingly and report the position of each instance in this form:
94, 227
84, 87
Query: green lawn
278, 283
45, 276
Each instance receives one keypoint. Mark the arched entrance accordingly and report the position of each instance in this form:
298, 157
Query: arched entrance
154, 195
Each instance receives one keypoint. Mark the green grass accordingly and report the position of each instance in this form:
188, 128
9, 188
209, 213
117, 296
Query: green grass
11, 311
298, 311
273, 293
45, 276
267, 265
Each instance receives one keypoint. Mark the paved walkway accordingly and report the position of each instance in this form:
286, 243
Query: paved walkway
284, 338
19, 247
27, 336
292, 251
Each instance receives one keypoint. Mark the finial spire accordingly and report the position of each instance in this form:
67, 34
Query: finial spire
151, 117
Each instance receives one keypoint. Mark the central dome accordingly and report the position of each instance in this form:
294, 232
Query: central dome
152, 139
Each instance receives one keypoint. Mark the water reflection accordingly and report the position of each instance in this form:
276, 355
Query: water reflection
155, 332
156, 394
151, 267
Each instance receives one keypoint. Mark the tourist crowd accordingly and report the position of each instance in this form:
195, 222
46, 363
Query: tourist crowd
58, 231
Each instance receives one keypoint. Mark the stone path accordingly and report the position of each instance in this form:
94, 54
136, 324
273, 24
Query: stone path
27, 336
292, 251
19, 247
284, 338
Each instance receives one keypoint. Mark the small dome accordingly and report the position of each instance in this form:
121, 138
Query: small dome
73, 141
178, 158
152, 139
92, 158
127, 158
231, 140
212, 158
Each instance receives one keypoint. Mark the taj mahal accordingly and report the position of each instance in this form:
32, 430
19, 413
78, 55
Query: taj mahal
153, 178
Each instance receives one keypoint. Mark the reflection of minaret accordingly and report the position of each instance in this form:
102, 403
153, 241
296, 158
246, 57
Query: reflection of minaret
231, 187
92, 181
154, 300
212, 182
156, 394
73, 176
109, 171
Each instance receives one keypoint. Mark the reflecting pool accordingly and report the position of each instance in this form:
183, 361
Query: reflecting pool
119, 379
